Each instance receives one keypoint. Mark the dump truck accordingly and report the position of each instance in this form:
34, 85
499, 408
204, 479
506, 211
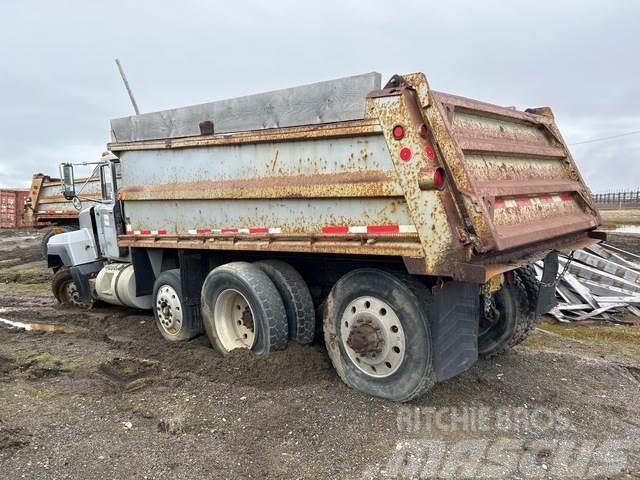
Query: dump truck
398, 225
46, 208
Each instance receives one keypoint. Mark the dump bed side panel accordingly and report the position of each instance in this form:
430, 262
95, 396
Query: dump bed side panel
47, 204
518, 182
305, 195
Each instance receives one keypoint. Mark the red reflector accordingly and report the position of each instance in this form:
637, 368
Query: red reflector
424, 131
145, 232
162, 232
429, 151
398, 132
499, 203
439, 178
258, 230
405, 154
202, 231
523, 202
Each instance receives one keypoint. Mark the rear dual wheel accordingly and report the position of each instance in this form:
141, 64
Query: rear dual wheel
508, 315
175, 320
378, 335
242, 308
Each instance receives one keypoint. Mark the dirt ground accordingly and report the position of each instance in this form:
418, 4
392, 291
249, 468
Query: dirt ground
102, 395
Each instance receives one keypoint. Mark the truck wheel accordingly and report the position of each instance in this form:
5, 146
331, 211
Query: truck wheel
65, 291
52, 232
378, 336
241, 308
509, 317
297, 299
175, 321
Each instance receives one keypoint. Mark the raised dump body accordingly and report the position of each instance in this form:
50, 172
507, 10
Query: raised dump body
46, 205
405, 217
454, 186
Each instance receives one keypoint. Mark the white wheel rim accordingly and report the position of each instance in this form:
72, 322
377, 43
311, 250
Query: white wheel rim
72, 294
373, 337
169, 309
234, 320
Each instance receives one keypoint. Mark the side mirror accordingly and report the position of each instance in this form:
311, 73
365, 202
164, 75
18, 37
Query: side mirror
68, 184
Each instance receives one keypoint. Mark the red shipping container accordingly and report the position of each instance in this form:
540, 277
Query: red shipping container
12, 207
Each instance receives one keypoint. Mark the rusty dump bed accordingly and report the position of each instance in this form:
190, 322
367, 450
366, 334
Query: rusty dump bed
46, 205
369, 182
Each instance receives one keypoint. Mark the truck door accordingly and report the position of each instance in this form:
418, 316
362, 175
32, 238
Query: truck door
107, 218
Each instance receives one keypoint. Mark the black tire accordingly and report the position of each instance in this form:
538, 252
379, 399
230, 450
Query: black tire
408, 299
267, 311
296, 297
52, 232
168, 306
65, 290
515, 303
528, 286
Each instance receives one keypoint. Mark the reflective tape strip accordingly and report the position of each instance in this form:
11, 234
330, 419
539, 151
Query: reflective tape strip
527, 201
364, 229
383, 229
566, 197
407, 229
335, 229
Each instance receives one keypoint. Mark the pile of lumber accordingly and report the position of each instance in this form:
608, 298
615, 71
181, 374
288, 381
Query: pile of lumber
601, 282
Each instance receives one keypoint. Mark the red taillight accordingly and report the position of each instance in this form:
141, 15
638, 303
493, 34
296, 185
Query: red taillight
439, 178
398, 132
424, 131
429, 151
405, 154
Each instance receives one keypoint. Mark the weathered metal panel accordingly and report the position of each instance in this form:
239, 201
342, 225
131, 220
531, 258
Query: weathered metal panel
517, 180
12, 207
306, 158
288, 215
46, 204
323, 102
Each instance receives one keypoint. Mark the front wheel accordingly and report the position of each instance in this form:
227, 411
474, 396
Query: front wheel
378, 335
65, 290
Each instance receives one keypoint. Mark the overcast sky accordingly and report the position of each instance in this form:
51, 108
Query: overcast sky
59, 86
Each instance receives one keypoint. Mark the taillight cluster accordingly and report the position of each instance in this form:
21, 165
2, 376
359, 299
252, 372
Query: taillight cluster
437, 177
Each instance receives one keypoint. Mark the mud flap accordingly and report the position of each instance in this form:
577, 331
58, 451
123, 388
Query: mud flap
547, 292
454, 315
81, 275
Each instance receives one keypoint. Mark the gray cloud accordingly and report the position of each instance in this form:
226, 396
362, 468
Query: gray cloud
59, 86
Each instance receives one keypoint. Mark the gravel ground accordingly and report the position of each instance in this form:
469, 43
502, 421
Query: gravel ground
102, 395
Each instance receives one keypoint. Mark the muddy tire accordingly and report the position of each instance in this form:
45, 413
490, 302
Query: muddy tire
378, 334
175, 320
241, 308
65, 291
515, 303
296, 298
52, 232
